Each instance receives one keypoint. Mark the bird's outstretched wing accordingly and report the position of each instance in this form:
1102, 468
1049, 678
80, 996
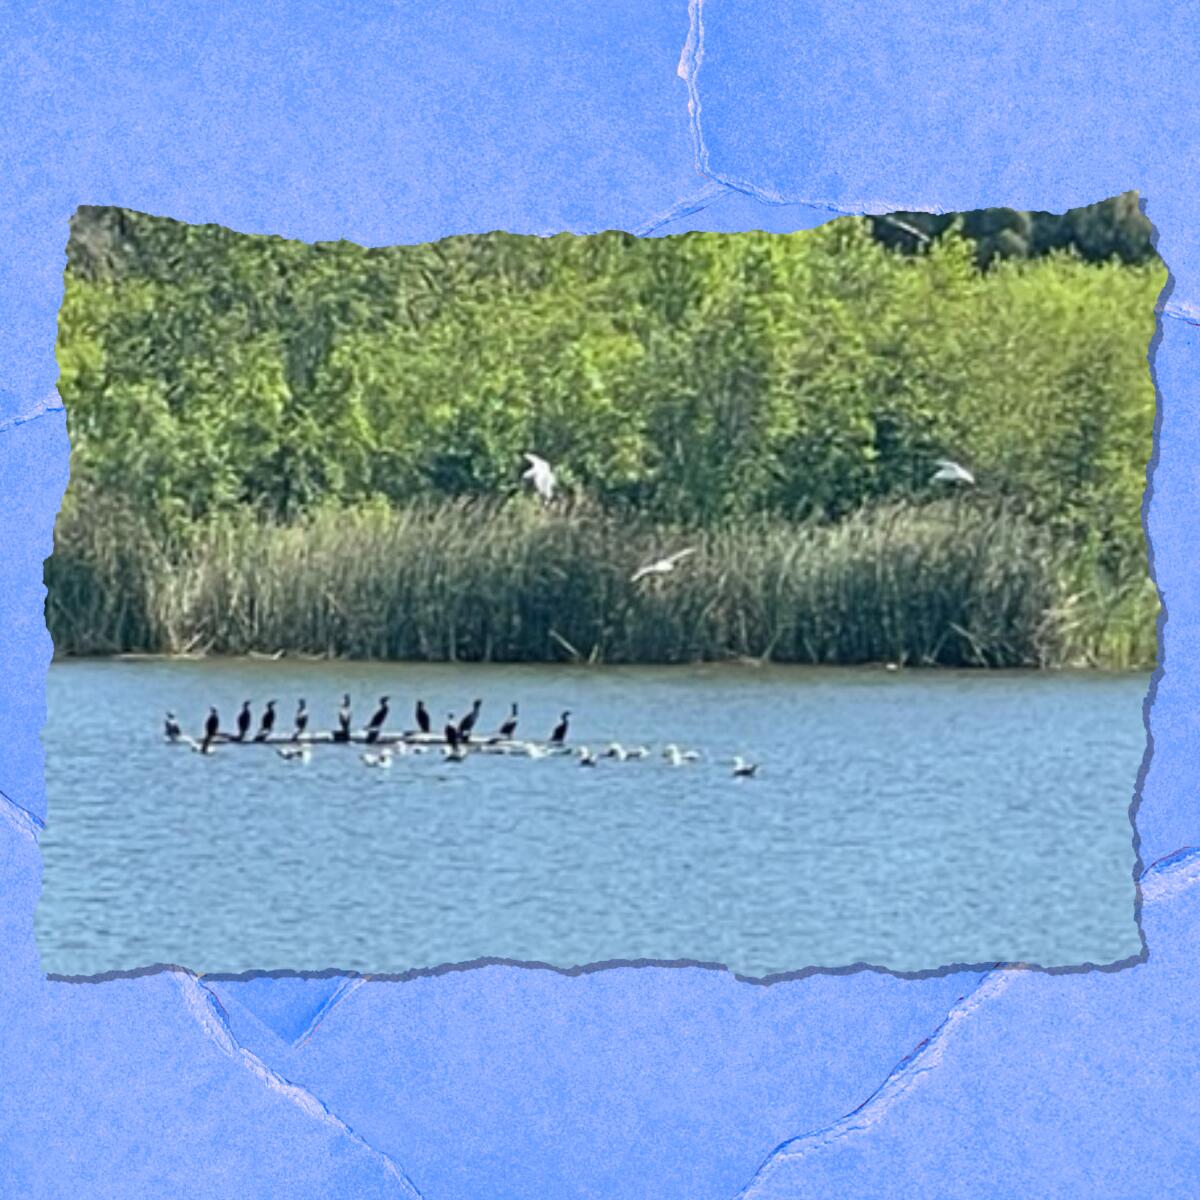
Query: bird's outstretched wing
680, 555
641, 573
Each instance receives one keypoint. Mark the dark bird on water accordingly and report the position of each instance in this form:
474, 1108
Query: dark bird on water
171, 727
267, 723
453, 737
422, 717
510, 724
560, 730
301, 721
343, 730
210, 729
375, 725
468, 722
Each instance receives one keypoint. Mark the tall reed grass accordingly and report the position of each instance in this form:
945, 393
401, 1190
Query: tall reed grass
956, 583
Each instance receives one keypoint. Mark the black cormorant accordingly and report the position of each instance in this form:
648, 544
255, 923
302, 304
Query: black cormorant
267, 724
301, 721
468, 722
171, 727
243, 721
510, 725
375, 725
560, 730
422, 717
211, 726
343, 731
453, 737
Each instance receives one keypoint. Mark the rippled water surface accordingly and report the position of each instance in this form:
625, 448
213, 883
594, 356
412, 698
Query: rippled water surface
906, 819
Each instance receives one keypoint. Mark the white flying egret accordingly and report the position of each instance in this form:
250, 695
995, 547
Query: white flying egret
541, 475
951, 472
662, 566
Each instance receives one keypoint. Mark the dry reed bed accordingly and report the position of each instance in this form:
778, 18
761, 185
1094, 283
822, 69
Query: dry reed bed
954, 583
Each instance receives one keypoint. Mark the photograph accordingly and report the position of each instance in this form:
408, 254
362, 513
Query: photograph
755, 600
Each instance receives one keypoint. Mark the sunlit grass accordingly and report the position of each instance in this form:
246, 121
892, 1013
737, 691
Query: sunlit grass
954, 583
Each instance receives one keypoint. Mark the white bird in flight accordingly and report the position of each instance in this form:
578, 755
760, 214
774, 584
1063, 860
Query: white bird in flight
662, 566
951, 472
541, 474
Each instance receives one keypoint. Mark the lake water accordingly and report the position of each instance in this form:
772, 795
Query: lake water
906, 819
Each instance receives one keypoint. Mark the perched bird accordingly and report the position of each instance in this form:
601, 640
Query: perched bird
510, 723
267, 724
560, 730
468, 722
951, 472
375, 724
662, 566
243, 721
423, 722
343, 731
541, 475
171, 727
211, 727
451, 732
301, 721
586, 757
743, 769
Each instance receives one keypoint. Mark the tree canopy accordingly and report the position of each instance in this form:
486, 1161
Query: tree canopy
697, 378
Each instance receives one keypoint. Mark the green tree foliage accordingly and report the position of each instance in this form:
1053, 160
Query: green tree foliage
695, 379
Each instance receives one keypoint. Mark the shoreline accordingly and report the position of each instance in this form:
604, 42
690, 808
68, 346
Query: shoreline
885, 668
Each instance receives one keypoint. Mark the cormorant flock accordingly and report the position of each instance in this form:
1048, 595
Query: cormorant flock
457, 738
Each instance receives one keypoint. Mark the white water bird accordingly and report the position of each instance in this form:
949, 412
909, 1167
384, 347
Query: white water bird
672, 755
533, 750
662, 566
455, 753
617, 751
541, 474
586, 757
742, 769
951, 472
300, 753
382, 759
637, 752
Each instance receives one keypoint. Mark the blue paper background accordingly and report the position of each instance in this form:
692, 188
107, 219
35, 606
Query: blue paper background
400, 122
